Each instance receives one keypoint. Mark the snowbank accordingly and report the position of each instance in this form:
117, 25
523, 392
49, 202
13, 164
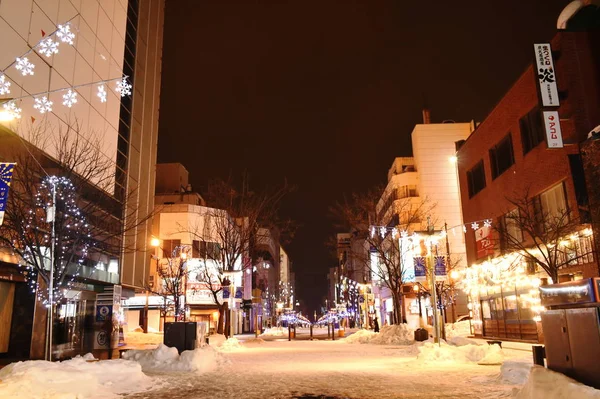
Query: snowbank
400, 334
461, 341
547, 384
459, 329
254, 341
275, 332
480, 354
360, 337
78, 378
232, 344
167, 359
515, 373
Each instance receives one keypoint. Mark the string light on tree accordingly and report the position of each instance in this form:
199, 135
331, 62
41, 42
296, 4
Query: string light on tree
24, 66
43, 104
4, 85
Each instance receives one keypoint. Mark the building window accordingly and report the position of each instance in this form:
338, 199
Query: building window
476, 179
511, 229
169, 246
502, 156
553, 201
532, 130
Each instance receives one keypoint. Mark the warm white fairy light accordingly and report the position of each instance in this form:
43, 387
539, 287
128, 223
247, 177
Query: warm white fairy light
12, 109
4, 85
69, 98
64, 34
43, 104
123, 87
102, 93
24, 66
48, 47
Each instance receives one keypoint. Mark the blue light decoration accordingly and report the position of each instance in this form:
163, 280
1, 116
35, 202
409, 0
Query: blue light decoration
6, 172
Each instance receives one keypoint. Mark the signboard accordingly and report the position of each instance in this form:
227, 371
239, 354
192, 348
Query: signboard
553, 132
420, 268
483, 241
6, 172
569, 293
225, 292
546, 74
201, 297
440, 265
239, 294
103, 312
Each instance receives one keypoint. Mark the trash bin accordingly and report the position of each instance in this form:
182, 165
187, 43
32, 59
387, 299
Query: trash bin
421, 334
341, 333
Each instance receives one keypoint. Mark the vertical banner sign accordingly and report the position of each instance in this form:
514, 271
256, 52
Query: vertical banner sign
420, 268
553, 132
484, 242
6, 172
546, 74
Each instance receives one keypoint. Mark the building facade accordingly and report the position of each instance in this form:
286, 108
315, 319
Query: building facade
512, 158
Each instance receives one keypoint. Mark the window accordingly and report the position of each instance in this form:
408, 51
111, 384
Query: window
553, 201
511, 230
501, 156
208, 250
532, 130
169, 246
476, 179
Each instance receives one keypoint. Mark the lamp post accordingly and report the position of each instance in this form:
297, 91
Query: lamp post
155, 243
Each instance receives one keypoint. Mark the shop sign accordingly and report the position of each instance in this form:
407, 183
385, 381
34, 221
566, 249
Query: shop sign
103, 312
201, 297
546, 74
484, 242
553, 132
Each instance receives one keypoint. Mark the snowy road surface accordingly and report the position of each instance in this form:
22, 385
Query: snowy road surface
281, 369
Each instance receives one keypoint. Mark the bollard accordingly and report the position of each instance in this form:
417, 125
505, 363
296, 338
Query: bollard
327, 330
333, 331
311, 332
289, 332
539, 353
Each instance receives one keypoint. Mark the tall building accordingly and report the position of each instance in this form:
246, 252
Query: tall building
111, 39
522, 165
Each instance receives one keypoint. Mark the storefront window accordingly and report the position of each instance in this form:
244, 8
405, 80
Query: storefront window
510, 307
525, 312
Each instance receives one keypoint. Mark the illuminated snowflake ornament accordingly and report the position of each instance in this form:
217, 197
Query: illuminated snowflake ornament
404, 234
43, 104
394, 232
487, 223
69, 98
474, 225
12, 109
382, 231
101, 93
464, 229
48, 47
64, 34
4, 85
123, 87
24, 66
372, 231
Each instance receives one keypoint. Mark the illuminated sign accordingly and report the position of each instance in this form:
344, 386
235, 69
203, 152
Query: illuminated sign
546, 74
553, 132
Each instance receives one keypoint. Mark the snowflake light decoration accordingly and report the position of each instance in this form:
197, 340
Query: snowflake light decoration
464, 229
43, 104
404, 234
487, 223
24, 66
64, 34
4, 85
382, 231
394, 232
102, 93
372, 231
70, 98
48, 47
12, 109
123, 87
474, 225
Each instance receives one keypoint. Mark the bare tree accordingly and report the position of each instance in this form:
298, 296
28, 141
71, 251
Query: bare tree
546, 238
384, 252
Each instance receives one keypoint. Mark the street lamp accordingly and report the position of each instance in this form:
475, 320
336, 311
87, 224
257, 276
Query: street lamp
155, 243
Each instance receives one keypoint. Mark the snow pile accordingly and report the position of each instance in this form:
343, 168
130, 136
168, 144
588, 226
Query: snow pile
139, 338
458, 329
232, 344
461, 341
360, 337
77, 378
515, 373
480, 354
216, 340
275, 332
400, 334
167, 359
254, 341
547, 384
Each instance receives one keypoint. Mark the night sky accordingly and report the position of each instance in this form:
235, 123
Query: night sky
326, 93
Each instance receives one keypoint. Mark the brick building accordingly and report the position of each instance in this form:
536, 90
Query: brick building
507, 158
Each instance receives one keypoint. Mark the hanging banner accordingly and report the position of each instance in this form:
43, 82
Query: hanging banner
553, 132
6, 172
484, 242
546, 74
420, 268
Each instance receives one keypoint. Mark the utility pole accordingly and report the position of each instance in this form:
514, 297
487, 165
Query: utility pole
436, 327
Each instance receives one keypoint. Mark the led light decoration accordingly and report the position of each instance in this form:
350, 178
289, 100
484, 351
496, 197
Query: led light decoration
24, 66
12, 109
69, 98
64, 34
4, 85
474, 225
487, 223
48, 47
123, 87
43, 104
101, 93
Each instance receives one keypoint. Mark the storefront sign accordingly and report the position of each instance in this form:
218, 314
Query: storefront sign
103, 312
484, 242
569, 293
546, 74
202, 297
553, 132
6, 172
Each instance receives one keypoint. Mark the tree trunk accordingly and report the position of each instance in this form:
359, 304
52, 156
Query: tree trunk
396, 297
221, 316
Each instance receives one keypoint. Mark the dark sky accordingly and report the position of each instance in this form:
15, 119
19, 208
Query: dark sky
326, 93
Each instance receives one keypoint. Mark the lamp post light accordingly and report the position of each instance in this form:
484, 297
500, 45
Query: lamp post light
155, 243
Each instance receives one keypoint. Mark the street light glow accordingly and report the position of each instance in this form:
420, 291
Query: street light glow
453, 159
6, 116
155, 242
